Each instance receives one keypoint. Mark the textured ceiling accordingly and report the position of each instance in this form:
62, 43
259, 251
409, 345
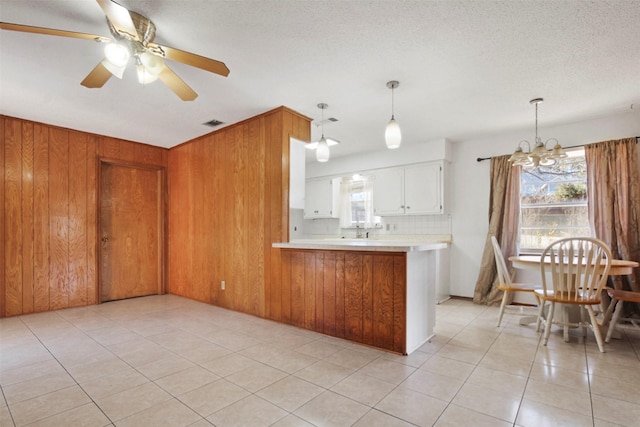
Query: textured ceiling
466, 68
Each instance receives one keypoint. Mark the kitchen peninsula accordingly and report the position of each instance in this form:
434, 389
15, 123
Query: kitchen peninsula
375, 292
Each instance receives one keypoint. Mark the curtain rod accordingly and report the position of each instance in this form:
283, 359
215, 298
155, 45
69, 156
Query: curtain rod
480, 159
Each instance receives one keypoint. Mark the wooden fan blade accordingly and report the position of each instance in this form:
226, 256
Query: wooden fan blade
51, 32
97, 77
176, 84
119, 17
192, 59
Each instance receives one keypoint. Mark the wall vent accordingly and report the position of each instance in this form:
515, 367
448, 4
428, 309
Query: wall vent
213, 123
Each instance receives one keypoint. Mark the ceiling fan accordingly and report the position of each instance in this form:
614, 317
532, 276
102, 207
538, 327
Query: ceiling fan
133, 36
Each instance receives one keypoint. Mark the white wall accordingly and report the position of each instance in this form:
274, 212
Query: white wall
469, 179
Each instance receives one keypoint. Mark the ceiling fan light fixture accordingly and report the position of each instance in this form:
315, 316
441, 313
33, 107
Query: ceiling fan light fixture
117, 71
144, 76
116, 54
153, 64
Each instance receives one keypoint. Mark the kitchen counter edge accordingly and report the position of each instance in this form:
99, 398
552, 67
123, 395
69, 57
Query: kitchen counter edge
362, 245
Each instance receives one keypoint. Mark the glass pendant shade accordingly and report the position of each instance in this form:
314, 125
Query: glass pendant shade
116, 54
322, 152
144, 76
153, 64
539, 150
392, 134
558, 152
520, 158
149, 67
117, 71
116, 59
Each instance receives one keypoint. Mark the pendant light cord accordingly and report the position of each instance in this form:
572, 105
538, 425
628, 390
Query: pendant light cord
392, 103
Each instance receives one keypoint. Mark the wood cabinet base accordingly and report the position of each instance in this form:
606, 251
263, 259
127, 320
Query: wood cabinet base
359, 296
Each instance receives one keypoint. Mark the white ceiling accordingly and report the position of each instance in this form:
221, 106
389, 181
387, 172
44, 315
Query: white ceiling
466, 68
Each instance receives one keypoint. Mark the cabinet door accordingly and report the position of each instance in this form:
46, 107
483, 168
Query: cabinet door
322, 198
387, 192
423, 189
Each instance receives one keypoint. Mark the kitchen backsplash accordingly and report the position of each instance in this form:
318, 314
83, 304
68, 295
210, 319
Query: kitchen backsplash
391, 225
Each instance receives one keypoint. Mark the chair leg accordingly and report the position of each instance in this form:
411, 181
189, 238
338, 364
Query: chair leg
548, 322
614, 320
505, 298
567, 316
606, 318
540, 313
541, 318
596, 328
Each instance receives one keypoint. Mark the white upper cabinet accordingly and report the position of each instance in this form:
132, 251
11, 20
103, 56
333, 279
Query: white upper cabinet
322, 198
388, 198
423, 189
410, 190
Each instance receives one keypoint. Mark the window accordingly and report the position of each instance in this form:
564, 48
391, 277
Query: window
553, 202
357, 205
357, 197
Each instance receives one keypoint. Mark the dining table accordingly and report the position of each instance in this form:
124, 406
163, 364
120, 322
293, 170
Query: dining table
619, 267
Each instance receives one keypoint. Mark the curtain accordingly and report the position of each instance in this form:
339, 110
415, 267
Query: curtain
367, 188
613, 186
504, 218
345, 203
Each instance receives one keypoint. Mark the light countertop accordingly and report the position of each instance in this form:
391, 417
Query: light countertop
363, 245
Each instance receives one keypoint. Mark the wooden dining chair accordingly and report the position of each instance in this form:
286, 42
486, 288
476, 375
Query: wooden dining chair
618, 297
578, 268
505, 284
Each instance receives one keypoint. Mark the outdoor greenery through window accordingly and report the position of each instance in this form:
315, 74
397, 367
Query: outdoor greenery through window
553, 202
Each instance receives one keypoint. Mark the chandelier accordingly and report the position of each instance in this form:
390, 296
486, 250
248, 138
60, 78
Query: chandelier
540, 155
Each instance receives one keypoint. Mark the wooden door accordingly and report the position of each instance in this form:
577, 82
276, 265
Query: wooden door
131, 231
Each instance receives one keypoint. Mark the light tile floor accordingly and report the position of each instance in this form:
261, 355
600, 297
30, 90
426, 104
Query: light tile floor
166, 360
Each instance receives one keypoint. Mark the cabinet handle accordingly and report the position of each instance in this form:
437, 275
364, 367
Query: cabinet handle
408, 207
401, 206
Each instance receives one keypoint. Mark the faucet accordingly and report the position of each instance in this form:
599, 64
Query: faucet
359, 232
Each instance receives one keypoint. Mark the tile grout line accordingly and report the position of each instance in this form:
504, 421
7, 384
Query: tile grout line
68, 373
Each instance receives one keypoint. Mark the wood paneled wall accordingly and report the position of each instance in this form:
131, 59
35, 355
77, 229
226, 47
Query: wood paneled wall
48, 220
228, 201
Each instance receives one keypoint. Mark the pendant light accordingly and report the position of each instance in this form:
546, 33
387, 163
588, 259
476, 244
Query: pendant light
322, 151
540, 155
393, 135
